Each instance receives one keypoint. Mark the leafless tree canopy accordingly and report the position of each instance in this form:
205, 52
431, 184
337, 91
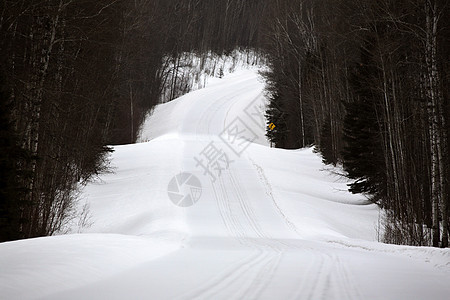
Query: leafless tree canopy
366, 82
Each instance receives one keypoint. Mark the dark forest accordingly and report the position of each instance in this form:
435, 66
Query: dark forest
366, 83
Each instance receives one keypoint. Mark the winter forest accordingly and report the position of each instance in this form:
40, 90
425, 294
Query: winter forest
366, 83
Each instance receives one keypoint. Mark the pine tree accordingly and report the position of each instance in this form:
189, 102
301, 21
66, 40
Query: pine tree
326, 144
362, 154
275, 115
11, 176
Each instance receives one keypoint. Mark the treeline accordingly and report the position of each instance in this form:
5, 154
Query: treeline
367, 82
78, 75
205, 26
71, 70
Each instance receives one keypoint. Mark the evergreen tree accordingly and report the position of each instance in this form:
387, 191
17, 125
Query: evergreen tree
11, 177
275, 115
362, 154
326, 144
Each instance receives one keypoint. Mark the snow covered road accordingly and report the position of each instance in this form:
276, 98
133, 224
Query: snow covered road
266, 223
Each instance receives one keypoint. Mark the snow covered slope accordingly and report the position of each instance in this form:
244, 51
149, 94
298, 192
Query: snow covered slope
205, 209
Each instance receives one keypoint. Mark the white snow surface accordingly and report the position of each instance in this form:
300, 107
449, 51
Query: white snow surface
275, 224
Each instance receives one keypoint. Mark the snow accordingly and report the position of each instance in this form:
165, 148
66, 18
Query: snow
195, 71
275, 224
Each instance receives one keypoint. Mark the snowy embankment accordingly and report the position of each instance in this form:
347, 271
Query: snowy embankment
190, 71
259, 223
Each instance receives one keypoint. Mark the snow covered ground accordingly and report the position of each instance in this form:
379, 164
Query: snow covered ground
263, 223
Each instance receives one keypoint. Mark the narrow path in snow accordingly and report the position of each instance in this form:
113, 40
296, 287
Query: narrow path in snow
272, 224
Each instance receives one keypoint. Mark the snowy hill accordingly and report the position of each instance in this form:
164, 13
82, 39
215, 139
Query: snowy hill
203, 208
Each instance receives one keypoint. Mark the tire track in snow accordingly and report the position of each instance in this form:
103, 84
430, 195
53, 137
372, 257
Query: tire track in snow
231, 275
231, 106
262, 268
257, 268
266, 271
240, 219
269, 193
328, 265
345, 279
204, 122
326, 278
